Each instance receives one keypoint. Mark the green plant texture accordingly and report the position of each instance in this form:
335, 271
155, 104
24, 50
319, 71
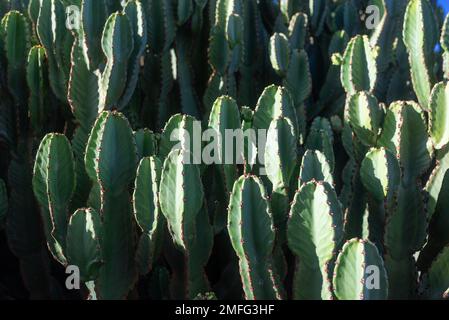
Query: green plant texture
114, 150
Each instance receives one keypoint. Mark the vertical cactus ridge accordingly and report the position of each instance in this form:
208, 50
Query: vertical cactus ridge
298, 79
94, 16
355, 263
227, 54
179, 132
339, 42
188, 95
83, 183
223, 9
444, 38
354, 200
117, 43
436, 180
84, 243
215, 88
314, 230
51, 30
314, 166
161, 24
147, 210
322, 123
93, 145
250, 227
444, 43
33, 12
164, 66
384, 33
402, 277
249, 145
280, 53
406, 226
280, 153
280, 162
437, 276
348, 14
16, 33
24, 227
184, 10
111, 154
53, 185
119, 273
405, 134
181, 197
420, 37
146, 143
274, 102
318, 10
225, 115
111, 161
439, 115
219, 51
201, 249
359, 71
288, 8
297, 30
35, 75
332, 89
254, 42
182, 203
407, 218
94, 196
83, 90
134, 11
380, 173
319, 139
365, 116
146, 195
291, 62
234, 30
387, 31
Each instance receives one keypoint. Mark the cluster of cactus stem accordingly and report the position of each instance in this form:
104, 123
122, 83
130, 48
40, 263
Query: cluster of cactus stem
346, 199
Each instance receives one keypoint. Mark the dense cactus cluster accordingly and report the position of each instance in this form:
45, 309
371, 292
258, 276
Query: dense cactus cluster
104, 105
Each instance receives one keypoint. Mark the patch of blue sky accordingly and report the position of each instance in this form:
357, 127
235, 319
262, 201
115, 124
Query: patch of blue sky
444, 4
